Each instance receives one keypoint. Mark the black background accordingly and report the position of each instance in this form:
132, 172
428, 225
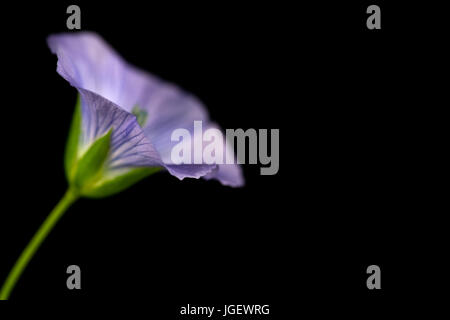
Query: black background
346, 101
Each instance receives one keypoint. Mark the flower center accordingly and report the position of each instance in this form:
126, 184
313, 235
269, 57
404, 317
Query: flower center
141, 115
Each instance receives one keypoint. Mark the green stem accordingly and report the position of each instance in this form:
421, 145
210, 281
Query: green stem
29, 251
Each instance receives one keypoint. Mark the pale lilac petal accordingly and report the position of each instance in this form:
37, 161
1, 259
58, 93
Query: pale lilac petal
228, 174
174, 110
129, 146
109, 84
182, 171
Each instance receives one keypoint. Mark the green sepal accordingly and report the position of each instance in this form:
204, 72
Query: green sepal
106, 187
89, 168
70, 156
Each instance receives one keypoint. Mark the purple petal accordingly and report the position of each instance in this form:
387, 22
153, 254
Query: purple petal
228, 174
182, 171
86, 61
129, 146
111, 88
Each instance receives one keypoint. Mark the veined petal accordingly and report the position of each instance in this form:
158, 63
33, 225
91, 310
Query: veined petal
172, 109
112, 88
129, 146
86, 61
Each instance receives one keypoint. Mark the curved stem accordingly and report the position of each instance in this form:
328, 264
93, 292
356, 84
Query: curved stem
27, 254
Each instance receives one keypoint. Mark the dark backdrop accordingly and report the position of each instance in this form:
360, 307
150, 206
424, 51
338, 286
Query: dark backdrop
342, 97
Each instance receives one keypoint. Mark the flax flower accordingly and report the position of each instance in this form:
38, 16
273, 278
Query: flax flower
121, 130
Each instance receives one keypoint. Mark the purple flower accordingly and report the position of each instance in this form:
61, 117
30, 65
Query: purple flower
141, 110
